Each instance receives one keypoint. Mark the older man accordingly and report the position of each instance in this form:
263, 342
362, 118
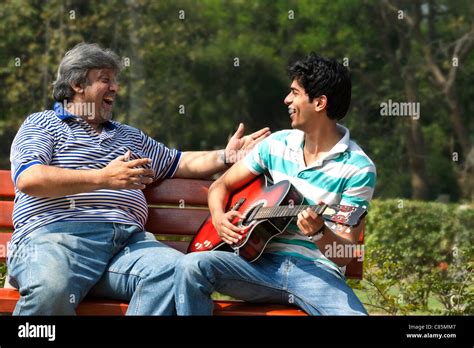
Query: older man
79, 211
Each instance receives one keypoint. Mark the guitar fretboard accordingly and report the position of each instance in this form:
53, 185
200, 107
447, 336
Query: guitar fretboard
286, 211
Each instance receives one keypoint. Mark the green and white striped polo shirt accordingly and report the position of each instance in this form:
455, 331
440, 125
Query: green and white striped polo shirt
345, 176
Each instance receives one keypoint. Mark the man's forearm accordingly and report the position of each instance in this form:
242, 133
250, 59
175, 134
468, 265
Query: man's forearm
200, 164
217, 197
220, 191
50, 181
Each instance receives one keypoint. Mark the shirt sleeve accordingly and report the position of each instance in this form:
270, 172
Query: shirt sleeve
32, 145
359, 188
164, 160
258, 159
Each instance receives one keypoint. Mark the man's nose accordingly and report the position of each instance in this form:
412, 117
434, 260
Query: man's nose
288, 100
114, 87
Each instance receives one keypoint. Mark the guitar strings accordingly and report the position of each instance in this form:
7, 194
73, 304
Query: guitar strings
284, 211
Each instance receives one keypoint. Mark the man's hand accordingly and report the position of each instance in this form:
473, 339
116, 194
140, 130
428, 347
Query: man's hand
309, 222
203, 164
123, 174
228, 232
239, 145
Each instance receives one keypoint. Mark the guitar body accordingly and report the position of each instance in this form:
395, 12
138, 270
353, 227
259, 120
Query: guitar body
257, 234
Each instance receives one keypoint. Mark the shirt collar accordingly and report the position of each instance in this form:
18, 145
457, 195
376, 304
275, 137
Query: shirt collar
343, 144
64, 115
295, 142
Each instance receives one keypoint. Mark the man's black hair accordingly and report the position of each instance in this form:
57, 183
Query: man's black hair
322, 76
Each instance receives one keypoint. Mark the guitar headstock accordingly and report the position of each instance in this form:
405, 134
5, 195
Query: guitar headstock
344, 214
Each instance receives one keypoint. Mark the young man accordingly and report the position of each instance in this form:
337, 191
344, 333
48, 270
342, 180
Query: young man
79, 212
321, 161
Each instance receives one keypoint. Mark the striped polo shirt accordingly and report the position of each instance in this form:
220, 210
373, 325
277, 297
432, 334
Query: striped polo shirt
58, 138
345, 176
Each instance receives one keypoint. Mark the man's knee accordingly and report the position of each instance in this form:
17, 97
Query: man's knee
46, 296
194, 264
51, 289
156, 261
45, 282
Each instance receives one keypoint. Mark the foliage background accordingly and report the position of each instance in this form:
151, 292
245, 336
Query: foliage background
225, 62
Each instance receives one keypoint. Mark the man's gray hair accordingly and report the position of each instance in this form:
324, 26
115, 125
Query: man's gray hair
76, 64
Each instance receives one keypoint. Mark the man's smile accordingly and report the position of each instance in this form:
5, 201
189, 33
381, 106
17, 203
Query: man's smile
109, 100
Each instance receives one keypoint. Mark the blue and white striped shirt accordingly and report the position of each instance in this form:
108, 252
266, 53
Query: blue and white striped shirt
58, 138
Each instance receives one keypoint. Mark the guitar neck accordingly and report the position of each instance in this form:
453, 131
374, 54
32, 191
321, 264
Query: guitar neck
286, 211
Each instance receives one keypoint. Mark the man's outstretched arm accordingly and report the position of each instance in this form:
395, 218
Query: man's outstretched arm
203, 164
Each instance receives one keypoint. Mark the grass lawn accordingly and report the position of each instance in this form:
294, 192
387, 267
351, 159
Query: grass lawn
433, 304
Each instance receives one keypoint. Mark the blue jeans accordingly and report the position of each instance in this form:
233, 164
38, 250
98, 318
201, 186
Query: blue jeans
57, 265
313, 287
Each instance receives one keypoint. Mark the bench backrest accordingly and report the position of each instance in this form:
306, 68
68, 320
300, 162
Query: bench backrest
177, 208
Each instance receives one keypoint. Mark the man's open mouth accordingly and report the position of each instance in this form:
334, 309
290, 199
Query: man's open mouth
291, 111
108, 100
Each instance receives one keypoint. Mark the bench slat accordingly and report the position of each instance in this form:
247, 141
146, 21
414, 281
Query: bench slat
4, 239
354, 269
180, 246
175, 220
6, 210
6, 185
178, 191
8, 299
101, 306
93, 306
225, 308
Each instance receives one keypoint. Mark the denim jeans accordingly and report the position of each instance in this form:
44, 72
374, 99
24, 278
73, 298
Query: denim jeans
310, 285
57, 265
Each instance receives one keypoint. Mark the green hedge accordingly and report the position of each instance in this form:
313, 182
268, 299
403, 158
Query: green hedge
3, 271
418, 258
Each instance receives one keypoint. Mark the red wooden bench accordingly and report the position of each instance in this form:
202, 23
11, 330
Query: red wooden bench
177, 207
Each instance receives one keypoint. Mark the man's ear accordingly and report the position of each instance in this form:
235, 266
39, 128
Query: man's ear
320, 103
78, 88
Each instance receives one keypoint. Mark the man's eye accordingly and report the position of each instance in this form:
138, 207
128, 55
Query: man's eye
105, 80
